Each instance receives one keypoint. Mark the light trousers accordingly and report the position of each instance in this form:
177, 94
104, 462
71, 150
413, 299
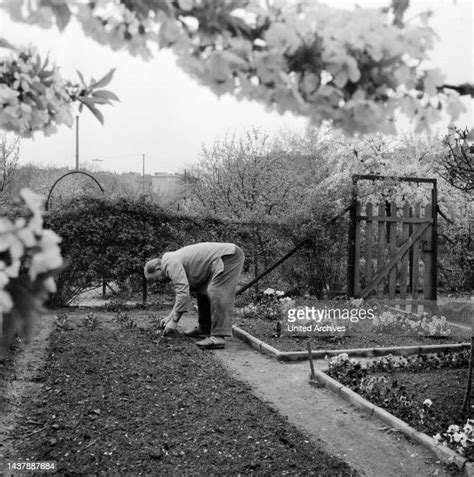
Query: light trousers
216, 302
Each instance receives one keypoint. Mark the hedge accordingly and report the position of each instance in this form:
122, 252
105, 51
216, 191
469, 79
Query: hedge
111, 239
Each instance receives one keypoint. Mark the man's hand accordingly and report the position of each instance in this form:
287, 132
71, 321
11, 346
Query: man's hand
170, 323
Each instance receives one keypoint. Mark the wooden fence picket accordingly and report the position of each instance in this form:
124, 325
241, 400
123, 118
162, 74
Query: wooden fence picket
415, 265
427, 256
369, 255
357, 253
392, 274
404, 265
381, 243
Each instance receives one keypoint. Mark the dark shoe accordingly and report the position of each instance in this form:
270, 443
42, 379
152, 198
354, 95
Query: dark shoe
213, 342
196, 333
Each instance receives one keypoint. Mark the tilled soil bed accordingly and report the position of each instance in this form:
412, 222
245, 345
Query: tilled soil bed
429, 400
117, 400
265, 330
445, 388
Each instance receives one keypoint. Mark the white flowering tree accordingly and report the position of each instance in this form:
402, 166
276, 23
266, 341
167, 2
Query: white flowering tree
355, 69
29, 258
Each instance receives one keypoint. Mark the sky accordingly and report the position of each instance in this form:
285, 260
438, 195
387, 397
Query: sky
167, 117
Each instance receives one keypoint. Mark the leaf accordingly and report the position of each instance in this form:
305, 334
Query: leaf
38, 63
98, 100
341, 78
43, 68
93, 110
399, 7
5, 44
62, 14
102, 93
105, 80
218, 67
170, 32
239, 24
81, 77
39, 87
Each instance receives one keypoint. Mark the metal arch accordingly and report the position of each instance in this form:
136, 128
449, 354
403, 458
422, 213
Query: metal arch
68, 174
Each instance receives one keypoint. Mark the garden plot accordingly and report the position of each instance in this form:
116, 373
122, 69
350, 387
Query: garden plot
114, 400
425, 391
265, 318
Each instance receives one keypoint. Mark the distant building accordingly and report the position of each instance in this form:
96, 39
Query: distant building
165, 187
166, 183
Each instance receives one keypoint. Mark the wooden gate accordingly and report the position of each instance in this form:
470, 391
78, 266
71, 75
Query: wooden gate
393, 250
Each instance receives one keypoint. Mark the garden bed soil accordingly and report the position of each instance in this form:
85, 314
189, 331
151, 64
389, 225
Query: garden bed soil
265, 330
117, 400
444, 387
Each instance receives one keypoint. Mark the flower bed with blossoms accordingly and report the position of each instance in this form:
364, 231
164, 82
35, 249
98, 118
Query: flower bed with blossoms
264, 318
425, 391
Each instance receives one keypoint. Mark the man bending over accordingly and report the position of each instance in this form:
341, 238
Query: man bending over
211, 270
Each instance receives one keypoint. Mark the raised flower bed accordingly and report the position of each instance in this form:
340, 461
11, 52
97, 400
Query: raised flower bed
424, 391
264, 319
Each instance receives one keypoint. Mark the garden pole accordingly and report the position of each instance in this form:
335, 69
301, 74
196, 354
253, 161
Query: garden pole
77, 143
144, 290
310, 358
268, 270
466, 405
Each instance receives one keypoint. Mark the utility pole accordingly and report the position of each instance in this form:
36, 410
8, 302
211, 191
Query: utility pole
143, 157
77, 143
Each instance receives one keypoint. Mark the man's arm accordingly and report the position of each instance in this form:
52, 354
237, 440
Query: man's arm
176, 273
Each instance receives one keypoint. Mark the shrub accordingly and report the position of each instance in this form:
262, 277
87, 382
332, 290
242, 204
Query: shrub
111, 239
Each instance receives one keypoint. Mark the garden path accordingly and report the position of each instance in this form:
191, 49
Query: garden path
362, 441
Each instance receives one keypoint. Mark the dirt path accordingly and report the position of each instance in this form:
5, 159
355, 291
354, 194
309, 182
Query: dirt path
363, 442
28, 364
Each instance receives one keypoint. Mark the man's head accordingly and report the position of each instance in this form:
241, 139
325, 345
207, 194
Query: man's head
153, 271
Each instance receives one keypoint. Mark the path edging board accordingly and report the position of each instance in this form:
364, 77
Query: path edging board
256, 343
356, 352
441, 451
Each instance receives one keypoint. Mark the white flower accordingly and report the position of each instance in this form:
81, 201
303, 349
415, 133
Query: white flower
49, 258
6, 302
50, 285
33, 201
427, 402
4, 278
6, 94
269, 291
341, 357
27, 237
468, 427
